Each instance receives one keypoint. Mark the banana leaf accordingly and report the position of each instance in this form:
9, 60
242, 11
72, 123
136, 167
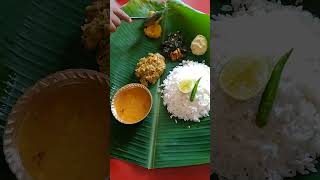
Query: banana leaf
37, 38
158, 141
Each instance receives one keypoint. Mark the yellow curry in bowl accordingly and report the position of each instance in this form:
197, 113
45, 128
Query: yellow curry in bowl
61, 129
132, 103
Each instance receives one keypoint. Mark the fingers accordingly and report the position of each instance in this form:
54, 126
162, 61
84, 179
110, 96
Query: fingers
112, 27
122, 15
114, 22
116, 15
115, 19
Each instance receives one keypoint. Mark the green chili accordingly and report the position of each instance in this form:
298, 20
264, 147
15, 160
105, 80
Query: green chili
194, 90
270, 91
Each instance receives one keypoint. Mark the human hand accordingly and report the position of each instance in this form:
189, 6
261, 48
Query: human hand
116, 15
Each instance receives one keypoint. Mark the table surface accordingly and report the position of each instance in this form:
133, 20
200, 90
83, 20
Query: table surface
120, 170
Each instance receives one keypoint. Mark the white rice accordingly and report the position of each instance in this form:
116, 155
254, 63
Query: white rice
291, 140
178, 103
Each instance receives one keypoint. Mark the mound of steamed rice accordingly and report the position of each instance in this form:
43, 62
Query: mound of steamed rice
178, 103
290, 143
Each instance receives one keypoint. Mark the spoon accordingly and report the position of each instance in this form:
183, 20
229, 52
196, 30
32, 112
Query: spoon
149, 20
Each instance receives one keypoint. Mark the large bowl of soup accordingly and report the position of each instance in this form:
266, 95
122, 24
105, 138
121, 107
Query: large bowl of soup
58, 130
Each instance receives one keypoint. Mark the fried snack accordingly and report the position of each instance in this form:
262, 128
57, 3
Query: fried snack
150, 68
95, 35
95, 29
176, 55
153, 31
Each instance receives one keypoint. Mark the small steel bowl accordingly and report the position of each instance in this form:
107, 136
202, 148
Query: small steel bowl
124, 88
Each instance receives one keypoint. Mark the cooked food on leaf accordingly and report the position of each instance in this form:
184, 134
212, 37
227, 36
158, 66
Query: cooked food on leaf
132, 103
199, 45
186, 91
153, 31
96, 25
152, 27
95, 35
173, 46
150, 68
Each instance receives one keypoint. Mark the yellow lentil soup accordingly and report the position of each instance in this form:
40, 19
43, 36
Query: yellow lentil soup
132, 104
64, 135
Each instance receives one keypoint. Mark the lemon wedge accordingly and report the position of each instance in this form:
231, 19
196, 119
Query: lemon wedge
186, 86
244, 77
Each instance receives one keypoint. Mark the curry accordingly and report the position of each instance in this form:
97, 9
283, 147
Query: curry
132, 104
64, 133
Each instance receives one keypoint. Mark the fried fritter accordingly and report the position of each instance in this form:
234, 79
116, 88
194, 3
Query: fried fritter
153, 31
95, 35
97, 18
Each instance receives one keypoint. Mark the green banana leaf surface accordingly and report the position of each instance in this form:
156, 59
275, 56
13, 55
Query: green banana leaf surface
158, 141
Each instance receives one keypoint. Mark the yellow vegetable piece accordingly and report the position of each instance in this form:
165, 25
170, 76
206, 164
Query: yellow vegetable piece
153, 31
